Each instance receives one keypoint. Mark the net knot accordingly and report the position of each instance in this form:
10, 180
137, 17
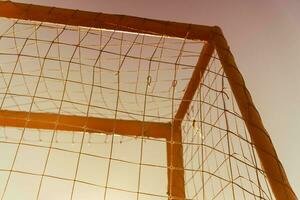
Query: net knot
174, 83
149, 80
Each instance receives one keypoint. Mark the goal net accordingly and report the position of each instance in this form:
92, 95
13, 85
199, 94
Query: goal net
112, 112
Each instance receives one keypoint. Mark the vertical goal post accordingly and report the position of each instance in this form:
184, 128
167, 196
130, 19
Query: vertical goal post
171, 131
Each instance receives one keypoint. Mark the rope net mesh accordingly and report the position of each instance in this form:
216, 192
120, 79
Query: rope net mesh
220, 161
108, 74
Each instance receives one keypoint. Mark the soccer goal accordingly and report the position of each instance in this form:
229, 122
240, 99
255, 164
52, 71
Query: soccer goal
112, 107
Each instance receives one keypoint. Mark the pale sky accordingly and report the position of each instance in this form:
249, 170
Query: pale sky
264, 38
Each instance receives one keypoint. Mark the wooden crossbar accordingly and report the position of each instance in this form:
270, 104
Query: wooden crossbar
100, 20
194, 82
259, 136
63, 122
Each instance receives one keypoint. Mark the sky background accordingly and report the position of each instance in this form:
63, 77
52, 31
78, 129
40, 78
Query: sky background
264, 38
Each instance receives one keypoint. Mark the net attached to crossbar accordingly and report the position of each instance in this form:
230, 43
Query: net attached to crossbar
91, 113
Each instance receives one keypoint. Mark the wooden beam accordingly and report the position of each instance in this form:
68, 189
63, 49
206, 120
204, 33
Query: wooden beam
100, 20
176, 186
194, 82
62, 122
259, 136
